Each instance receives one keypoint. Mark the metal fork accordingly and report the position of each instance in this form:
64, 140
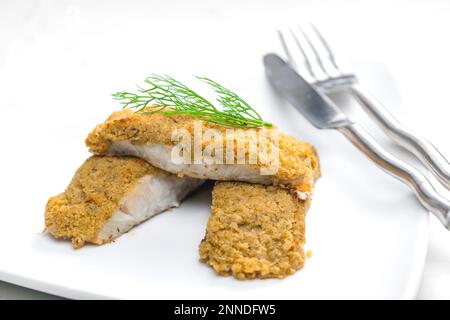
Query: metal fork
325, 74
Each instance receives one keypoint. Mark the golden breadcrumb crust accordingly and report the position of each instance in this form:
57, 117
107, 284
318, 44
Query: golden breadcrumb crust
299, 164
92, 197
254, 231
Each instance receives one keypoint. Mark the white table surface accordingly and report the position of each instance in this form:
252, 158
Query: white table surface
409, 37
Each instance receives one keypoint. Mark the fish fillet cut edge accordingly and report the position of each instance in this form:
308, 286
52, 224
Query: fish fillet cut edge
149, 136
109, 195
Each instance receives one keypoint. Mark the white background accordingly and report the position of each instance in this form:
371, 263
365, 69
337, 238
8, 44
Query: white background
409, 38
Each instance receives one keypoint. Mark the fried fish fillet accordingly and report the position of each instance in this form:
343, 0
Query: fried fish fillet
149, 136
254, 231
109, 195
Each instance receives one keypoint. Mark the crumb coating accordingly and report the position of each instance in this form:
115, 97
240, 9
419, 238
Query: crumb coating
254, 231
92, 197
299, 164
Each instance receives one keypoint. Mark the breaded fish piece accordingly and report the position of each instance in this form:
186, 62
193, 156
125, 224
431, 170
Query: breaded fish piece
149, 136
109, 195
254, 231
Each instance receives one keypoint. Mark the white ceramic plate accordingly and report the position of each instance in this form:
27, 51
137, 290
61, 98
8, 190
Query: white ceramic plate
367, 233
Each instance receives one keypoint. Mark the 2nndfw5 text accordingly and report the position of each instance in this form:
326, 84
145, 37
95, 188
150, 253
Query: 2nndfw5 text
222, 309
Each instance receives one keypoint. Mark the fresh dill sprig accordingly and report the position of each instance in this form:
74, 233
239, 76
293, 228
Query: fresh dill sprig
169, 96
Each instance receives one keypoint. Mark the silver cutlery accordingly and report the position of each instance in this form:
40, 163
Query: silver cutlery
324, 114
328, 76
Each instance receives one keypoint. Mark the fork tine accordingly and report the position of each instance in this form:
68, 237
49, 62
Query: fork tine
286, 49
306, 60
314, 50
319, 64
291, 60
326, 46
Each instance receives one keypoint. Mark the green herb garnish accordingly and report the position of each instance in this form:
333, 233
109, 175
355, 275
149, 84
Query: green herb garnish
169, 96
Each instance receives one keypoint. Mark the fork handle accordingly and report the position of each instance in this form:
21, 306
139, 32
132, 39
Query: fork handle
421, 148
399, 169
